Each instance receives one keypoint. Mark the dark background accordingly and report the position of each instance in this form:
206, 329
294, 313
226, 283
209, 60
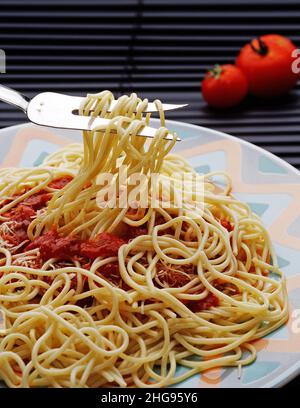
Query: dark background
158, 48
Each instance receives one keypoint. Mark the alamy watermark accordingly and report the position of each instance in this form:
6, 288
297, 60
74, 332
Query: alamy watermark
296, 62
155, 190
2, 322
2, 61
295, 321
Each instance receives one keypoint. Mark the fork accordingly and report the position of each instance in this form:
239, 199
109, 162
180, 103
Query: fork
59, 111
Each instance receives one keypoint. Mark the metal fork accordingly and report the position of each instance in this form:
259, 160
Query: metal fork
59, 111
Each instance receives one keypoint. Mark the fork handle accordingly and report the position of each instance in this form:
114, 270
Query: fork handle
14, 98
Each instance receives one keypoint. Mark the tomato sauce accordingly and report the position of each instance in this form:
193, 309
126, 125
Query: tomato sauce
227, 225
17, 234
173, 279
54, 245
111, 273
225, 287
60, 182
23, 213
204, 304
38, 200
20, 213
104, 245
134, 232
22, 216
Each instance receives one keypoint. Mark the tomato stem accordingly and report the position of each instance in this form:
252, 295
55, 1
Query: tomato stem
216, 71
262, 47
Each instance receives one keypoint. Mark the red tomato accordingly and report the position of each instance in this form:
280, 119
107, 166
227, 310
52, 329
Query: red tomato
267, 64
224, 86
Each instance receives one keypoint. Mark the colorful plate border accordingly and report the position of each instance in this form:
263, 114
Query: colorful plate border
271, 187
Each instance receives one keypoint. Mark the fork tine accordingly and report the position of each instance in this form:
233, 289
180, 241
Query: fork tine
166, 107
57, 110
152, 107
73, 103
147, 131
88, 123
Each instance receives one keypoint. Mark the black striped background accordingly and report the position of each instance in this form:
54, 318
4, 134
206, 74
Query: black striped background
159, 48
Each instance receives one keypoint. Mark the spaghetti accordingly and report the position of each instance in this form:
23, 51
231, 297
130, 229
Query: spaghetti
97, 296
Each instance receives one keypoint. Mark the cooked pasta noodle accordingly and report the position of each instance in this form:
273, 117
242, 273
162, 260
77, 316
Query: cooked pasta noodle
95, 296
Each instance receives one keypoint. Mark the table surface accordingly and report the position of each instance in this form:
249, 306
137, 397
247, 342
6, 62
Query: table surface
157, 48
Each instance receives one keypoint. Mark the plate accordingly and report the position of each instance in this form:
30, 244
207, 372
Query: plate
268, 184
